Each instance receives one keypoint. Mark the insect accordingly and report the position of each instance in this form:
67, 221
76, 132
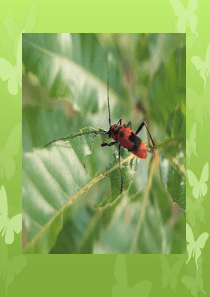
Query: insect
122, 135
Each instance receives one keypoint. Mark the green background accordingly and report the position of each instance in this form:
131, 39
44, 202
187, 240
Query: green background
107, 275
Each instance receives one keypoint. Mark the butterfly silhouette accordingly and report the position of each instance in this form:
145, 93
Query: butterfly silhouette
194, 247
170, 274
195, 210
8, 226
194, 284
191, 142
199, 187
13, 30
142, 288
12, 73
201, 111
11, 149
186, 15
9, 268
203, 66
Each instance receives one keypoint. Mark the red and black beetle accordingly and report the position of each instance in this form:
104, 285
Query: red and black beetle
126, 138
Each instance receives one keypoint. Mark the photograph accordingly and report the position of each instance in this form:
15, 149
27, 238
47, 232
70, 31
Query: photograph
103, 143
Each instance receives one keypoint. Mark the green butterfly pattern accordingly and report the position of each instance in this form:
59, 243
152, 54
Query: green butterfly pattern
194, 246
191, 142
199, 186
7, 154
203, 66
194, 284
170, 274
9, 268
14, 31
13, 73
201, 111
186, 16
196, 210
8, 226
142, 288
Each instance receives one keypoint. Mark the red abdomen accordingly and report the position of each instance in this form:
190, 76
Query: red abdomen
141, 152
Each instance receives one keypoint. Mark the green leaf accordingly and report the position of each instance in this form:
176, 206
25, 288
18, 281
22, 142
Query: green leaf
54, 178
175, 130
68, 240
167, 89
173, 177
64, 64
41, 126
84, 224
154, 236
172, 157
159, 194
117, 239
50, 179
176, 123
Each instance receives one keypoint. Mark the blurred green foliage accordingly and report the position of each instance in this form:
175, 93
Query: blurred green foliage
71, 190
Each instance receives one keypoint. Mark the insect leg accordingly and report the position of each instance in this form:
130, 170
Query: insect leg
140, 128
129, 125
108, 144
121, 188
119, 122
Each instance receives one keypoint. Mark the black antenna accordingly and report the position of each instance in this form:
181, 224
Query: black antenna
108, 91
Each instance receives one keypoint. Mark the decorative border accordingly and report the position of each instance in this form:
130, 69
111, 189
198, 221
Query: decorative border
106, 275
